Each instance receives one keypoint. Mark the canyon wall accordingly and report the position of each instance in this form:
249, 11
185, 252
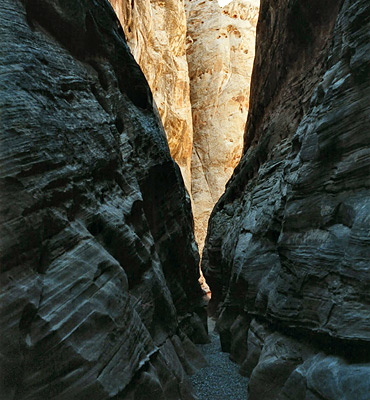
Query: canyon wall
156, 33
219, 60
99, 292
287, 252
221, 43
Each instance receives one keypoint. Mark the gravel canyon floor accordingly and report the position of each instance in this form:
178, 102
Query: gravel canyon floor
220, 380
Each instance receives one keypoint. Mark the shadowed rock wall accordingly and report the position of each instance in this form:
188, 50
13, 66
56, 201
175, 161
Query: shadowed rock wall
287, 252
99, 290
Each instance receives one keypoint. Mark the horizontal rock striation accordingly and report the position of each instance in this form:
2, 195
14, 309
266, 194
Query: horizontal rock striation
99, 293
287, 252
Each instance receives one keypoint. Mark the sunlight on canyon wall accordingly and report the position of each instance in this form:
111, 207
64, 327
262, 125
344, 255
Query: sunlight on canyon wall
223, 3
156, 34
221, 46
204, 116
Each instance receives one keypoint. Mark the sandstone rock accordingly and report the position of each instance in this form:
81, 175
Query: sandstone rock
288, 242
220, 54
99, 263
156, 33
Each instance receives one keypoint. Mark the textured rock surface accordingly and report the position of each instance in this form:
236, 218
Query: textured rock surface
288, 246
156, 33
220, 53
99, 265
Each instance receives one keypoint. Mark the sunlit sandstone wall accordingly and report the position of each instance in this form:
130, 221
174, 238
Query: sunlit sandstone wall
156, 33
221, 43
220, 54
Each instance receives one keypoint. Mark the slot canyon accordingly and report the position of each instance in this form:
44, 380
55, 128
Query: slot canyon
136, 144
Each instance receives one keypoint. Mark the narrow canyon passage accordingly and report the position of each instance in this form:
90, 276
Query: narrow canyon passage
99, 289
197, 57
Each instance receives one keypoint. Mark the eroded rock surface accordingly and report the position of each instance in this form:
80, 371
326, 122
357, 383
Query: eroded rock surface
156, 33
99, 288
287, 254
220, 53
219, 59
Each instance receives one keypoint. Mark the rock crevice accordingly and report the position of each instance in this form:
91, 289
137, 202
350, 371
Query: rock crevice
198, 60
220, 54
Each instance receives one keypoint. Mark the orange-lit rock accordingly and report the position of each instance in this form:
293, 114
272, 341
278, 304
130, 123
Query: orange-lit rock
156, 33
220, 53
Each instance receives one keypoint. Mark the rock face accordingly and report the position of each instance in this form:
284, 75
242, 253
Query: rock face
156, 33
220, 53
99, 288
287, 253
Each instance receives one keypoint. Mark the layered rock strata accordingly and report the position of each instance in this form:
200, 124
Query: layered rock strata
99, 288
221, 43
156, 33
287, 253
